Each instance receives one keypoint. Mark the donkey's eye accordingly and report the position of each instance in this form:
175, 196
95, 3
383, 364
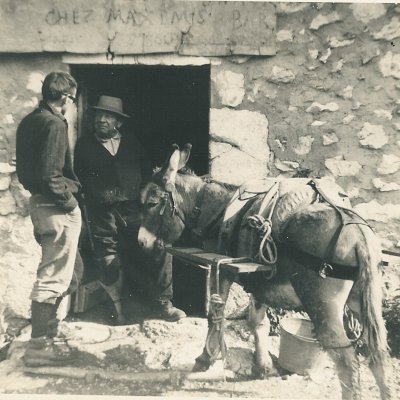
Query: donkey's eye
151, 205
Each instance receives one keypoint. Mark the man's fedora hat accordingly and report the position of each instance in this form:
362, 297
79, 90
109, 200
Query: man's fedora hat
111, 104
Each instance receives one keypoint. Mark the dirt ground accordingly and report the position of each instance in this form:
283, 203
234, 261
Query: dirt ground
148, 345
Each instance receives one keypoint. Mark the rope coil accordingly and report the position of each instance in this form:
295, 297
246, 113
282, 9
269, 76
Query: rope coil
217, 316
267, 251
261, 224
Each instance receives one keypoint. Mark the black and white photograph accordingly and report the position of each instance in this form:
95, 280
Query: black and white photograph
199, 199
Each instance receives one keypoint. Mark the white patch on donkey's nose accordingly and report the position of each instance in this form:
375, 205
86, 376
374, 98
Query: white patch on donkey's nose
146, 239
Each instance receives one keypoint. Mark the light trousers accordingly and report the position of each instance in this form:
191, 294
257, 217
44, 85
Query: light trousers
57, 232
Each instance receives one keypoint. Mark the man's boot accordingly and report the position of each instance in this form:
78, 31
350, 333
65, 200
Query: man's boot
45, 351
166, 310
42, 349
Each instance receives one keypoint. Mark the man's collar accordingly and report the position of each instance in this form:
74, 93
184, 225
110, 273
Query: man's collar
117, 137
49, 107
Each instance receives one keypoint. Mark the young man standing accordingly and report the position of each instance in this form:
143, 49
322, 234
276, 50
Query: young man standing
44, 167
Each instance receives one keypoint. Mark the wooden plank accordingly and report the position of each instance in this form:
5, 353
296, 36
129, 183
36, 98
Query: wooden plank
184, 250
246, 267
195, 256
173, 377
201, 257
391, 253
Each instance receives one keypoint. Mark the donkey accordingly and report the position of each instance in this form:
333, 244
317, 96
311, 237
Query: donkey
313, 231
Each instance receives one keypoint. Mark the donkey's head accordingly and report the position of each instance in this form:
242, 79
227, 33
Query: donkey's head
163, 223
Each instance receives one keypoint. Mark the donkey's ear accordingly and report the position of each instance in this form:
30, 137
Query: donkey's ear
184, 155
171, 169
167, 159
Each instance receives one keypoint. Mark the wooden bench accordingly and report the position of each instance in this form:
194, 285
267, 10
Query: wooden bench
203, 258
206, 260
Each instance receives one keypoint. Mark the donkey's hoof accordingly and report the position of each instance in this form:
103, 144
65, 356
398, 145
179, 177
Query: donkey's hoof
260, 372
199, 367
201, 364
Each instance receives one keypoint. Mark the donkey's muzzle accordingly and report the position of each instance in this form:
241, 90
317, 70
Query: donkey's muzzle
142, 243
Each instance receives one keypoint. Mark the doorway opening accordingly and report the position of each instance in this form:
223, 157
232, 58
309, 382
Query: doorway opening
167, 104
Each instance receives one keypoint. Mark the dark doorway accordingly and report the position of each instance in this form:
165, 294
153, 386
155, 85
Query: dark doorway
168, 104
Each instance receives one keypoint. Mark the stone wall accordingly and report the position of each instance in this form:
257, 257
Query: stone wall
20, 81
325, 105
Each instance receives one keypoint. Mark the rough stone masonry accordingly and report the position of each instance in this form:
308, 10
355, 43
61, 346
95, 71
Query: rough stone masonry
324, 101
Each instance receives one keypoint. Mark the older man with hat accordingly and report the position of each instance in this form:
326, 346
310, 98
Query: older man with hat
112, 168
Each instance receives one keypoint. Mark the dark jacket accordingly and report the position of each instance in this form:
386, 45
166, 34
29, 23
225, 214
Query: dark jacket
44, 163
108, 179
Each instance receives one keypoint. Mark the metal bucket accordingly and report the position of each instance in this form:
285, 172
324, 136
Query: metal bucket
299, 348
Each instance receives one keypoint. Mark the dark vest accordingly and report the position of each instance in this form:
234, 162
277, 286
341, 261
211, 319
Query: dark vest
108, 179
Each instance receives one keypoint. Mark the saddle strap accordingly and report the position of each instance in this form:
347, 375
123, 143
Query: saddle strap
270, 197
344, 212
347, 215
317, 264
232, 216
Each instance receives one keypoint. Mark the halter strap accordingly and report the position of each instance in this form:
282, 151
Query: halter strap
175, 211
195, 213
202, 231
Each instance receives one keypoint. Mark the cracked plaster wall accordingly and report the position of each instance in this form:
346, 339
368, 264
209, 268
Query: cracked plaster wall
326, 104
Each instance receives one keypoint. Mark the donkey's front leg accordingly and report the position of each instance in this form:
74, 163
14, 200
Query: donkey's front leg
259, 325
212, 347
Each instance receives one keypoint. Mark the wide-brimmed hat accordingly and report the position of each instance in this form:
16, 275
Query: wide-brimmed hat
111, 104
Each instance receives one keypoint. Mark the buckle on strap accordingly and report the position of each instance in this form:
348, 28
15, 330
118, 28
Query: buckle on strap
195, 213
324, 270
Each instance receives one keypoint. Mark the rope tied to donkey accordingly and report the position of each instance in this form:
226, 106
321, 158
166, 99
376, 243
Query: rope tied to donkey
217, 316
267, 251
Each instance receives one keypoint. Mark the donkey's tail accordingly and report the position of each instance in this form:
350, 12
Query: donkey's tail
370, 281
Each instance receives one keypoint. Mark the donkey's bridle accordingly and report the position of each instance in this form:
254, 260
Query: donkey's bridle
168, 198
191, 220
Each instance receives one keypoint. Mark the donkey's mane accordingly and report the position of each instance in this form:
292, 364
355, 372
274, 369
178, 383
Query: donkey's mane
186, 171
207, 178
228, 186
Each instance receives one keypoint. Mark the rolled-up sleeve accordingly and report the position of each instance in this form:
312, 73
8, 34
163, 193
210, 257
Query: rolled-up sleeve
52, 163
